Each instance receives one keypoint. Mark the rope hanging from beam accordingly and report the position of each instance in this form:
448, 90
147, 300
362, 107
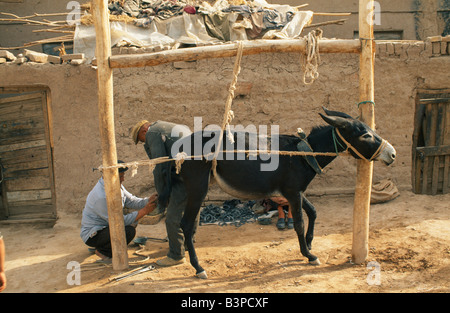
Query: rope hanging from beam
229, 114
310, 63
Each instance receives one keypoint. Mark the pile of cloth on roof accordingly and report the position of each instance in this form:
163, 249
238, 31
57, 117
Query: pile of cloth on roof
187, 22
255, 16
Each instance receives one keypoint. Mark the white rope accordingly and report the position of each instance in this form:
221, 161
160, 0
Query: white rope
229, 114
311, 59
182, 156
179, 159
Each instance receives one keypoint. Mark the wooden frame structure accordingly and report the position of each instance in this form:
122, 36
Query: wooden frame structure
364, 46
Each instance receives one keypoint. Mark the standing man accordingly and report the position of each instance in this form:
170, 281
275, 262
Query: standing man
95, 224
158, 138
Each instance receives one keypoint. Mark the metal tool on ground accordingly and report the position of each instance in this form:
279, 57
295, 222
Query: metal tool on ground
134, 272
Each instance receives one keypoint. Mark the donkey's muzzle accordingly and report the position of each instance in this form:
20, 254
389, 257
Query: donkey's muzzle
388, 154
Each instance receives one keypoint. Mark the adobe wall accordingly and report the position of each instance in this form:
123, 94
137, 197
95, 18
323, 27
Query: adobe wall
271, 92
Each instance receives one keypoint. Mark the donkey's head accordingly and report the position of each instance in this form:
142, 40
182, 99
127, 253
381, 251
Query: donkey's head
358, 138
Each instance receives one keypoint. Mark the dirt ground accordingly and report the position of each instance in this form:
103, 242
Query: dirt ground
409, 240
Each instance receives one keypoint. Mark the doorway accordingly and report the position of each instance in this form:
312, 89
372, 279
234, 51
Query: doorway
431, 142
26, 155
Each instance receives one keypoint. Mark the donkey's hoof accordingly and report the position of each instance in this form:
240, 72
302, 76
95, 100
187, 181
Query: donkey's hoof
315, 262
202, 275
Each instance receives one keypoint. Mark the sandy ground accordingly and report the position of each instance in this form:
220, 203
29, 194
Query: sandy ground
409, 240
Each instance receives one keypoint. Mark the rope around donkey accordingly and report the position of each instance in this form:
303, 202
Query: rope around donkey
180, 157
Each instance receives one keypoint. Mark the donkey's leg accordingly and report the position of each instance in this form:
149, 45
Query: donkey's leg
296, 204
196, 191
311, 213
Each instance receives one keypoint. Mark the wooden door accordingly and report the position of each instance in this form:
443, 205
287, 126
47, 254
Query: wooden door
27, 180
431, 143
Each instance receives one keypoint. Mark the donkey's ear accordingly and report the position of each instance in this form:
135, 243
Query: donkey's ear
336, 121
335, 113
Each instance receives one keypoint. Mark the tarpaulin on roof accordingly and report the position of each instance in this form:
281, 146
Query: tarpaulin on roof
163, 23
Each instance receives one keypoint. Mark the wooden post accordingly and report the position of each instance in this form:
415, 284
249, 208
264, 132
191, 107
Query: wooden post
107, 134
364, 168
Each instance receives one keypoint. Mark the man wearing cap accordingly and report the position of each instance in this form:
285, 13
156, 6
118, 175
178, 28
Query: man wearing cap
158, 138
94, 222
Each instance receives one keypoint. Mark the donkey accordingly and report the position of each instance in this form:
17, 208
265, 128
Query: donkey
242, 177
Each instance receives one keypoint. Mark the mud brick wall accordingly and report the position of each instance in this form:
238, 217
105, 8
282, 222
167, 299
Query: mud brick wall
270, 91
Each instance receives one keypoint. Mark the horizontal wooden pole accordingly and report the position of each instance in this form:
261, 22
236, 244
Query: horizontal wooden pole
230, 50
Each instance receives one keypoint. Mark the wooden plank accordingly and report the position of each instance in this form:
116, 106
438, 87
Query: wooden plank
28, 195
440, 123
430, 130
416, 161
14, 204
24, 155
16, 111
433, 151
15, 140
27, 183
8, 174
446, 180
22, 97
35, 164
435, 100
30, 209
425, 176
417, 170
446, 135
49, 140
230, 50
435, 176
21, 128
23, 145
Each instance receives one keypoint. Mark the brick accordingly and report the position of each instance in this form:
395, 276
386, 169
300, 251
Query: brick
75, 56
443, 47
54, 59
7, 55
428, 49
34, 56
77, 61
436, 47
399, 49
381, 49
435, 38
390, 48
20, 60
415, 49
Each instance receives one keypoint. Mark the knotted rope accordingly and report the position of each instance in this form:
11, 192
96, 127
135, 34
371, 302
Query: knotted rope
229, 114
310, 61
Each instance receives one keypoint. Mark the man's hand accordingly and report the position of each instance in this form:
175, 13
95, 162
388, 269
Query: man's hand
153, 198
149, 207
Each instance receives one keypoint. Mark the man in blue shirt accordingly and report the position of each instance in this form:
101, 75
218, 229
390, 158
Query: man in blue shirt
94, 222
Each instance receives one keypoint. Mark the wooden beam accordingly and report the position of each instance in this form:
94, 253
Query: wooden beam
364, 168
107, 135
230, 50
